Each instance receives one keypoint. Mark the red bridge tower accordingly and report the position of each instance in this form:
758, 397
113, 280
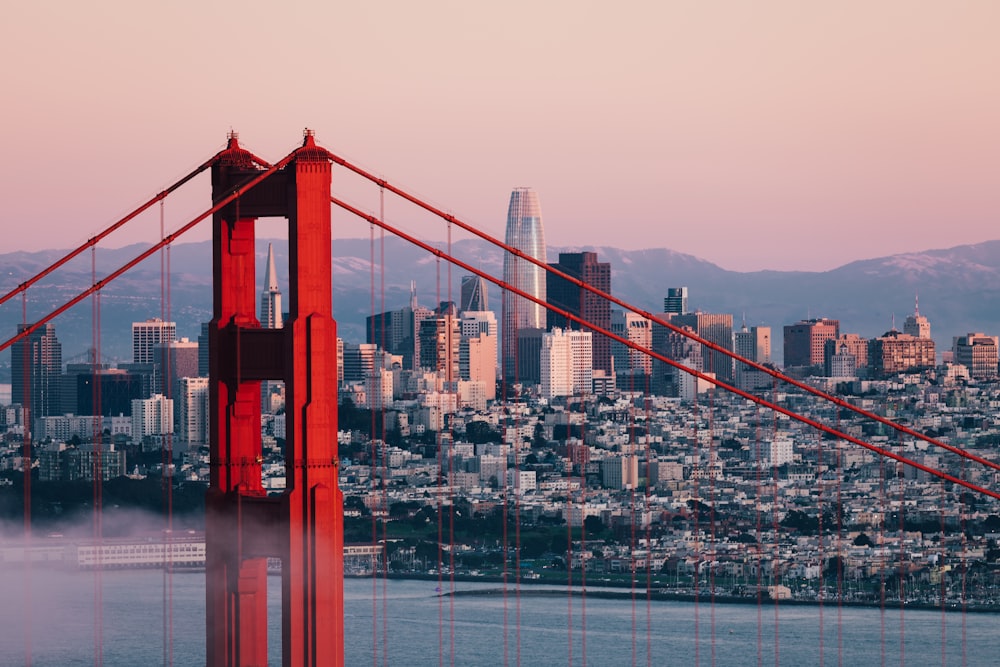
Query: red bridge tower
304, 526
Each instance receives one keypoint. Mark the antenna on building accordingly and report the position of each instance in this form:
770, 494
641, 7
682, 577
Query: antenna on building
916, 303
413, 295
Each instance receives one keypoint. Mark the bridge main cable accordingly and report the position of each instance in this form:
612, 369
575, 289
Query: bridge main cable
94, 240
381, 182
249, 184
675, 364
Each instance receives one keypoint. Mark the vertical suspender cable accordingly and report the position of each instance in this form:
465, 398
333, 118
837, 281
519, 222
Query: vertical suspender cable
841, 564
776, 556
819, 537
385, 444
450, 322
97, 469
759, 565
695, 506
26, 456
711, 510
902, 569
373, 498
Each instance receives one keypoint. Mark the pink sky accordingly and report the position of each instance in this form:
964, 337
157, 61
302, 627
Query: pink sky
765, 134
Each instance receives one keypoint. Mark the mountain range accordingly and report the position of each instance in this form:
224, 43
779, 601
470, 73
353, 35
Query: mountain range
958, 288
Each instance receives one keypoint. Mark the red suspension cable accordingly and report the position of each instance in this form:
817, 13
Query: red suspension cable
675, 364
830, 398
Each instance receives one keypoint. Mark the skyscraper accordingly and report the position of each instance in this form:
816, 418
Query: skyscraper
36, 367
715, 328
474, 295
578, 301
270, 296
270, 318
916, 324
524, 232
147, 335
676, 301
805, 341
753, 343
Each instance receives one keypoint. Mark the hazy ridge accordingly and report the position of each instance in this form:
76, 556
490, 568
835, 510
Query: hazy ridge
959, 288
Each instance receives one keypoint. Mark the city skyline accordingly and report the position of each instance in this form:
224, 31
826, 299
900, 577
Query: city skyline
641, 128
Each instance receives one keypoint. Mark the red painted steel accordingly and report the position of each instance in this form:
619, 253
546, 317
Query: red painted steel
244, 527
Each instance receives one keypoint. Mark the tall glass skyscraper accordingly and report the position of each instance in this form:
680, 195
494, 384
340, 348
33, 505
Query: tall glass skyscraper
524, 232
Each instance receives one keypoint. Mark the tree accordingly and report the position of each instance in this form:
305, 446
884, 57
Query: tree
480, 432
862, 540
593, 525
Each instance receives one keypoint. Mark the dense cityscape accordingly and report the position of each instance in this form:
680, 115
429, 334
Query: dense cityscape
579, 452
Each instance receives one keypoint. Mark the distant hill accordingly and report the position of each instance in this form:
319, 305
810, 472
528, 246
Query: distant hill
959, 288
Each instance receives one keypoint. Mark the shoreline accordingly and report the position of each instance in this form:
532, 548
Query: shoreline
532, 588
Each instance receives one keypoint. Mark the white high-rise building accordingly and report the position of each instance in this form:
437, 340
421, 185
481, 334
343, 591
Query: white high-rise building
777, 452
378, 389
524, 232
152, 416
193, 410
567, 363
147, 335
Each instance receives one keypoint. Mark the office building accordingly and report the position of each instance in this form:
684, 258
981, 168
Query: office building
715, 328
153, 416
192, 410
897, 352
36, 369
174, 360
676, 301
631, 366
474, 296
566, 363
916, 324
978, 353
572, 298
846, 345
147, 335
753, 343
806, 339
526, 234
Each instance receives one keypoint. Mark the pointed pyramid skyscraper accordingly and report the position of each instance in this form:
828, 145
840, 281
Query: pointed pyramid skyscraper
270, 296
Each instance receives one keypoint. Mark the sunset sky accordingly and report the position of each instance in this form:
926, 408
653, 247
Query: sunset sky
753, 134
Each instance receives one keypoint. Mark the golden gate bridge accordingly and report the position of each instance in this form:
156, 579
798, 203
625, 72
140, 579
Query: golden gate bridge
303, 526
